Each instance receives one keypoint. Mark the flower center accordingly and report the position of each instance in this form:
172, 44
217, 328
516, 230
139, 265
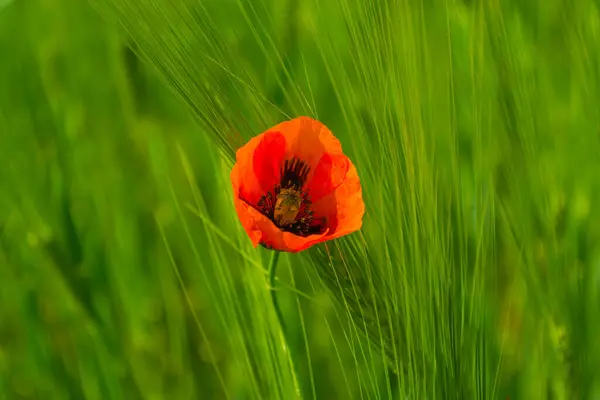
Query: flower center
287, 205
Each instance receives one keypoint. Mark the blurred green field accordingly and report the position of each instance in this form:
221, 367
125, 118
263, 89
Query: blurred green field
475, 129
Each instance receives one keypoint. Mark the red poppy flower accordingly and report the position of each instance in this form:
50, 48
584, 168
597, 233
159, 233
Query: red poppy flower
293, 187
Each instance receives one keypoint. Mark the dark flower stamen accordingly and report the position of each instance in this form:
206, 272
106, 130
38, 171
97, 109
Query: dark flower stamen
288, 205
294, 173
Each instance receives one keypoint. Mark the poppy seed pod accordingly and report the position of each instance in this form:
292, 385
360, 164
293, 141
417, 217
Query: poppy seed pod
294, 187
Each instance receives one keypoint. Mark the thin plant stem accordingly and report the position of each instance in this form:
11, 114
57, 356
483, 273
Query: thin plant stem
271, 272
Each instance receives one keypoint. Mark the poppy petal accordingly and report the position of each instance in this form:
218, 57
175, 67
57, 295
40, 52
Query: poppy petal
344, 208
308, 139
268, 158
243, 179
329, 173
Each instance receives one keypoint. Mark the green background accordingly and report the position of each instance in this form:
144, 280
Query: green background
475, 129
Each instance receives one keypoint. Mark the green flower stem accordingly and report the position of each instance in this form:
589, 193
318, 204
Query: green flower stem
284, 338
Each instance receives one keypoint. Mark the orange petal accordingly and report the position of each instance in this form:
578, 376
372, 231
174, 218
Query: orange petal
329, 173
268, 158
243, 178
307, 139
344, 208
